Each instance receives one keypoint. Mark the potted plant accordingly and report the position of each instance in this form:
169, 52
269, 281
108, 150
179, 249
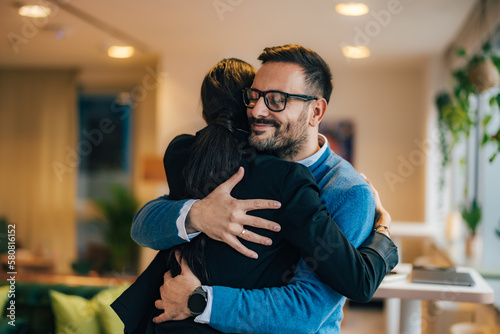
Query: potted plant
118, 211
457, 117
472, 217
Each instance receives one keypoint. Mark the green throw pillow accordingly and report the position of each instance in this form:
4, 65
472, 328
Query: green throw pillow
6, 327
109, 321
4, 298
75, 314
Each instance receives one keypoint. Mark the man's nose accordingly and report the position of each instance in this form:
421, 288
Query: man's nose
260, 109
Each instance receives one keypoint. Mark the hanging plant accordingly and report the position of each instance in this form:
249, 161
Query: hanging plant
481, 70
454, 110
457, 117
454, 124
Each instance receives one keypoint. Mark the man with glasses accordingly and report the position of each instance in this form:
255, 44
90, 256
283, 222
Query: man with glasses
286, 103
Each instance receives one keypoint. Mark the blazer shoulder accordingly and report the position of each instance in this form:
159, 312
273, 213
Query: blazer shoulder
279, 173
178, 148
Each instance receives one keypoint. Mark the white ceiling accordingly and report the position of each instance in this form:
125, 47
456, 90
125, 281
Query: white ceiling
160, 28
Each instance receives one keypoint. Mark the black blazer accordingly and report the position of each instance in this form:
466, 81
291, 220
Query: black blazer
302, 217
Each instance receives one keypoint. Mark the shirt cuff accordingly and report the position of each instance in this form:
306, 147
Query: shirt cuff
204, 318
181, 220
191, 236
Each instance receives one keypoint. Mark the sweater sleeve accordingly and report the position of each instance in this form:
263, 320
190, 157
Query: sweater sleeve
302, 306
160, 224
155, 225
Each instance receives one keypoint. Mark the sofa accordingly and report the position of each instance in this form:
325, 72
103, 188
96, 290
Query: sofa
62, 304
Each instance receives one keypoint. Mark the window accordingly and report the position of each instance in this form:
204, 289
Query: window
105, 160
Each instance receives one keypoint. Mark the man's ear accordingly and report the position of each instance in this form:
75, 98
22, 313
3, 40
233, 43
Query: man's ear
318, 112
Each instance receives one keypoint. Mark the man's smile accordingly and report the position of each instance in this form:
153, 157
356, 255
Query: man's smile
262, 124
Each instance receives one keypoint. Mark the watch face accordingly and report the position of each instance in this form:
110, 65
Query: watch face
197, 304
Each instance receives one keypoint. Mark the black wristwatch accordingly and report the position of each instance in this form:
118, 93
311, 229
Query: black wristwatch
197, 301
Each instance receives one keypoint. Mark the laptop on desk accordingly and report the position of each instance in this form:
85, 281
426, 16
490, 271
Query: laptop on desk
447, 276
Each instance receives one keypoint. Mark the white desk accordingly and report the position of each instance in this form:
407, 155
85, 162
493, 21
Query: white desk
413, 230
412, 294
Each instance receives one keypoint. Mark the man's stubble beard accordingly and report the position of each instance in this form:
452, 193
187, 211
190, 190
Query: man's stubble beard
284, 143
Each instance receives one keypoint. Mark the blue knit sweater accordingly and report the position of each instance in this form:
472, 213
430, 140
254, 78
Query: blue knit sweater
305, 305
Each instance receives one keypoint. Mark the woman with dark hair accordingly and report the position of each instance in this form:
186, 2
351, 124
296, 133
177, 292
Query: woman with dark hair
214, 154
195, 165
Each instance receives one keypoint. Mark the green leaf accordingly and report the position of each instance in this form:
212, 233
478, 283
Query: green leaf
496, 61
498, 96
492, 158
486, 47
442, 100
476, 60
472, 216
493, 101
486, 139
486, 120
461, 52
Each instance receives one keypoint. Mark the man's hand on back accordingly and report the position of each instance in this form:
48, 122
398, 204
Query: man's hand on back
175, 292
223, 218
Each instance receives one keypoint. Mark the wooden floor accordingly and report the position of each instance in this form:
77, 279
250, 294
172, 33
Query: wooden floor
361, 319
370, 318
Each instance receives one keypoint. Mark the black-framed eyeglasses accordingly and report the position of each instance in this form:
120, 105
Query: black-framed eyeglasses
274, 99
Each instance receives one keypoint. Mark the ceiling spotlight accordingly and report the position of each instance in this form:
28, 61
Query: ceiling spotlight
355, 52
117, 51
34, 11
352, 8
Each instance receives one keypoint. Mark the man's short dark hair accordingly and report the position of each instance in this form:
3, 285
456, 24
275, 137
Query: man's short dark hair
316, 71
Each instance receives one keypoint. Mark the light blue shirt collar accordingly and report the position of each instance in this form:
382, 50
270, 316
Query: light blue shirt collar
309, 161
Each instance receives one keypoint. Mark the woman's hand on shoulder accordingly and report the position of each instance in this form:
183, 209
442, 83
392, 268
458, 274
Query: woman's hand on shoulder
383, 219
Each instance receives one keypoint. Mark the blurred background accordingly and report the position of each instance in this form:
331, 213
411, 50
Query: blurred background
83, 129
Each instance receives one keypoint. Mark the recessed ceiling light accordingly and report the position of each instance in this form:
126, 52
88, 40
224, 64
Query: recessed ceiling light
34, 11
355, 52
117, 51
352, 8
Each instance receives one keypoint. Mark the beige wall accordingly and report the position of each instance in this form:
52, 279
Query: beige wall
179, 105
387, 107
38, 161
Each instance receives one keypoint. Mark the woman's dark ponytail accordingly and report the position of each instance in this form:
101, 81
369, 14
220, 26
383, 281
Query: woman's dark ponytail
214, 158
217, 152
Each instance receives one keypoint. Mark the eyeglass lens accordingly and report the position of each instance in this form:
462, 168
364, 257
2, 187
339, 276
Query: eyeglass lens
274, 100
